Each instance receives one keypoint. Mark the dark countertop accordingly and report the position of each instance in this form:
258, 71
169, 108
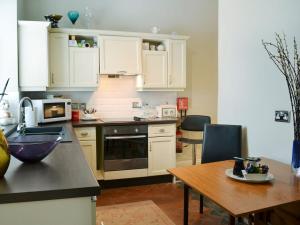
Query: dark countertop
122, 121
8, 130
63, 174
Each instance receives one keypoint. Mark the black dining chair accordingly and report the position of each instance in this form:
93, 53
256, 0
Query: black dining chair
220, 142
194, 123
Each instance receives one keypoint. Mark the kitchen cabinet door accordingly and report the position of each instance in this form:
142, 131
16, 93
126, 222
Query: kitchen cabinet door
120, 55
59, 60
84, 67
33, 55
162, 155
89, 150
177, 64
155, 68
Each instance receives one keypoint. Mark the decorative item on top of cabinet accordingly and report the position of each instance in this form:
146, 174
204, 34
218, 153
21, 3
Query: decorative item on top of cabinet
87, 140
73, 15
120, 55
53, 19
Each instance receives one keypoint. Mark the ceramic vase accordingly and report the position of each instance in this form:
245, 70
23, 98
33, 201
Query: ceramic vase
73, 16
296, 157
4, 155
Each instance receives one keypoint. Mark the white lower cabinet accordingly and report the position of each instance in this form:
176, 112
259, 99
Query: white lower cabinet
161, 149
89, 150
87, 140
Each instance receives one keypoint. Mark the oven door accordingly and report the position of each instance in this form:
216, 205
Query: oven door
125, 152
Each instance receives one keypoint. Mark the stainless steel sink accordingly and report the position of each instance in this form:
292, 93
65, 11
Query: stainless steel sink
49, 130
43, 130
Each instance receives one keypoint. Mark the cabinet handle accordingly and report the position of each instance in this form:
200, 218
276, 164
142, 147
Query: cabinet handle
52, 78
84, 133
161, 130
170, 81
122, 72
150, 147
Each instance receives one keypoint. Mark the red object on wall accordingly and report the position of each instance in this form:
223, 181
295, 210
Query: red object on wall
75, 115
182, 103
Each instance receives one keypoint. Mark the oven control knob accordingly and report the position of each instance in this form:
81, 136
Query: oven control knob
136, 130
115, 131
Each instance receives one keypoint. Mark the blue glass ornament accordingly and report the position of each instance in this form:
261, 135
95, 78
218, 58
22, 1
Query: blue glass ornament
73, 16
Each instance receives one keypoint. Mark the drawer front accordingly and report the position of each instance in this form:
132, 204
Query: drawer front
86, 133
162, 130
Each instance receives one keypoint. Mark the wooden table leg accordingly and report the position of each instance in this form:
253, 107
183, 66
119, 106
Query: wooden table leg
231, 220
186, 205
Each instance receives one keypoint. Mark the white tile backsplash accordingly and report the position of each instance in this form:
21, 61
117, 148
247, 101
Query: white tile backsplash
114, 96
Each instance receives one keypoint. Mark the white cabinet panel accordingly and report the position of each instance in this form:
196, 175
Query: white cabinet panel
177, 64
162, 154
120, 55
33, 55
155, 68
59, 60
84, 67
89, 150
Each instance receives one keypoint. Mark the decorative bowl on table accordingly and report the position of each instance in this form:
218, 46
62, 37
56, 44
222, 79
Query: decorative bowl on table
32, 148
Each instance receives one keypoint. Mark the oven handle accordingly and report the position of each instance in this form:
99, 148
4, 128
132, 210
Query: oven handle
124, 137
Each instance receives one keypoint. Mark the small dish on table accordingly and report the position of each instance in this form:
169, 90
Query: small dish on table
250, 177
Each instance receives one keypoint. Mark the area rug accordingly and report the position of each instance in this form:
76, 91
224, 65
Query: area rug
136, 213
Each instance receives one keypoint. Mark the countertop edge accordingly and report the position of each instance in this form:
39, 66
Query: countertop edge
100, 123
50, 195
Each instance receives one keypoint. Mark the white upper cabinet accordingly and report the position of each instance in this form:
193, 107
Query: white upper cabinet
177, 64
165, 69
33, 55
155, 69
120, 55
84, 67
59, 60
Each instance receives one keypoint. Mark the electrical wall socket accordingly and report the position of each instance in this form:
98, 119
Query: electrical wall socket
282, 116
136, 105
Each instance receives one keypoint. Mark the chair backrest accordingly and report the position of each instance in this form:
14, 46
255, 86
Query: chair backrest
195, 122
221, 142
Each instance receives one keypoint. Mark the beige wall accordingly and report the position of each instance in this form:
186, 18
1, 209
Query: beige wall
196, 18
251, 88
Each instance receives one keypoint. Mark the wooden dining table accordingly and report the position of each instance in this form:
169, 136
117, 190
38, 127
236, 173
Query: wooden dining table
239, 198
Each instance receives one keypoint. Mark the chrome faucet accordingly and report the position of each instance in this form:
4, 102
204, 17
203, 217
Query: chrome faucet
21, 123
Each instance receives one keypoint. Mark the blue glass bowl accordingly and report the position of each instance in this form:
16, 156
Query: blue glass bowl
32, 148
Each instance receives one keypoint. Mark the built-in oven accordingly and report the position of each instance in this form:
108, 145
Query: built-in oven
125, 147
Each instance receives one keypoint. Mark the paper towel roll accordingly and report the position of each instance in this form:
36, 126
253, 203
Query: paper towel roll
30, 117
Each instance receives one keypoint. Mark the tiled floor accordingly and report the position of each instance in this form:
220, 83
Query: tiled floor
169, 197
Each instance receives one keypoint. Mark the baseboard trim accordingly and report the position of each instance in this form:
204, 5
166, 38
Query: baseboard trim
106, 184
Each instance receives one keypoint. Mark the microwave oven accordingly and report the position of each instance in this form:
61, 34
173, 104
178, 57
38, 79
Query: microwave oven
52, 110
